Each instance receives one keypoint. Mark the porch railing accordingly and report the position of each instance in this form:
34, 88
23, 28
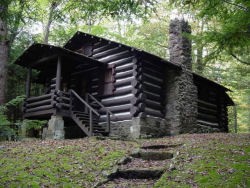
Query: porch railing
66, 103
39, 103
108, 112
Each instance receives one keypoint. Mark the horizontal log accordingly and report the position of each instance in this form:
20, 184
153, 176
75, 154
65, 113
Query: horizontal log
139, 99
152, 67
207, 123
107, 52
153, 73
38, 103
116, 109
135, 110
93, 69
38, 98
125, 67
154, 96
62, 106
114, 57
207, 117
208, 104
44, 114
102, 47
154, 105
152, 64
207, 110
124, 74
137, 91
136, 83
152, 112
123, 90
152, 88
117, 117
63, 99
143, 79
123, 82
154, 79
40, 108
124, 61
117, 100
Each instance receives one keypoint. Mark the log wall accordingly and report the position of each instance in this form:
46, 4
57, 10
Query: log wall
212, 109
122, 61
150, 89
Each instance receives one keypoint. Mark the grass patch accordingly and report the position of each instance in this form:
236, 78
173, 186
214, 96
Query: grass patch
204, 160
68, 163
210, 160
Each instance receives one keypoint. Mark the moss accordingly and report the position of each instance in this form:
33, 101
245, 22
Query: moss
216, 162
71, 163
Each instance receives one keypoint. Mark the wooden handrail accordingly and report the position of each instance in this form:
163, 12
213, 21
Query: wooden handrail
107, 111
84, 102
100, 104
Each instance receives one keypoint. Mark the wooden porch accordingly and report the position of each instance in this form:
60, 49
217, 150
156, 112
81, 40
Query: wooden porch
57, 67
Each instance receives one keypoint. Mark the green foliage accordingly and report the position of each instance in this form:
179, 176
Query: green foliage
6, 129
228, 25
71, 163
212, 160
32, 124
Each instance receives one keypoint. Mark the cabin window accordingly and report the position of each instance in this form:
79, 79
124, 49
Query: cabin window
108, 88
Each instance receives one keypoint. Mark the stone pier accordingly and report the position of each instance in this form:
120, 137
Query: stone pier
55, 128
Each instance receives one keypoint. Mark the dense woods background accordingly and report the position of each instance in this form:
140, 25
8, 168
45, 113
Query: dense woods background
220, 35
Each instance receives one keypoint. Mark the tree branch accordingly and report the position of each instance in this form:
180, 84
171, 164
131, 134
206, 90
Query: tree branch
244, 62
239, 6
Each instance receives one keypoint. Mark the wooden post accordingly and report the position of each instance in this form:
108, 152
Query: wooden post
235, 119
58, 73
28, 82
108, 122
91, 122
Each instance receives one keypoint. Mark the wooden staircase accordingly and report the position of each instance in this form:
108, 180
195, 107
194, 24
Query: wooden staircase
69, 104
82, 119
86, 117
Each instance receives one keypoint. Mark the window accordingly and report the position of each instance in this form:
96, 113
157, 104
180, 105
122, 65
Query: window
108, 88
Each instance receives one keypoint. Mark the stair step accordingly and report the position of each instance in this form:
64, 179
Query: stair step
79, 112
141, 173
125, 183
152, 155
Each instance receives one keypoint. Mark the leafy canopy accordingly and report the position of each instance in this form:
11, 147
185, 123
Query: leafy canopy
229, 24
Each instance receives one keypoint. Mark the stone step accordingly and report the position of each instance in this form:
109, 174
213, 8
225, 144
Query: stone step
125, 183
140, 163
137, 173
160, 146
152, 155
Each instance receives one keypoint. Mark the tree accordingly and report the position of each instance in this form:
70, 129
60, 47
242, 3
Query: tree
231, 33
13, 14
4, 49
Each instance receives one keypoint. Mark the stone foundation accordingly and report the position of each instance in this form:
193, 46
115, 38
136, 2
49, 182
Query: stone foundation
55, 129
140, 127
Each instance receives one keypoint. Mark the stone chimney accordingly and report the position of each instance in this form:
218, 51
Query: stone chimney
181, 93
179, 45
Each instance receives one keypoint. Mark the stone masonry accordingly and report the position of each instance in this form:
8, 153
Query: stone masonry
181, 93
55, 128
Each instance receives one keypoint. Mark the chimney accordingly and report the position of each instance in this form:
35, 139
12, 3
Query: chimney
179, 45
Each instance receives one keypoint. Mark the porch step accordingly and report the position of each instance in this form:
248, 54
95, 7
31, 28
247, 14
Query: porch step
82, 120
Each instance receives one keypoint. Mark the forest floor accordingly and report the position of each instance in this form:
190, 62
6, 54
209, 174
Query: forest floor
201, 160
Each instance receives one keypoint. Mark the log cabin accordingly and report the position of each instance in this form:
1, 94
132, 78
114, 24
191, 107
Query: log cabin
94, 86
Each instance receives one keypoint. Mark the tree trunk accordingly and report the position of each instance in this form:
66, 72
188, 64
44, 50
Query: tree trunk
49, 22
199, 60
4, 48
200, 64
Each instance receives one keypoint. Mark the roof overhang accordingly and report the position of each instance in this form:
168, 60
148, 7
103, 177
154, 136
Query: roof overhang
79, 37
39, 56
